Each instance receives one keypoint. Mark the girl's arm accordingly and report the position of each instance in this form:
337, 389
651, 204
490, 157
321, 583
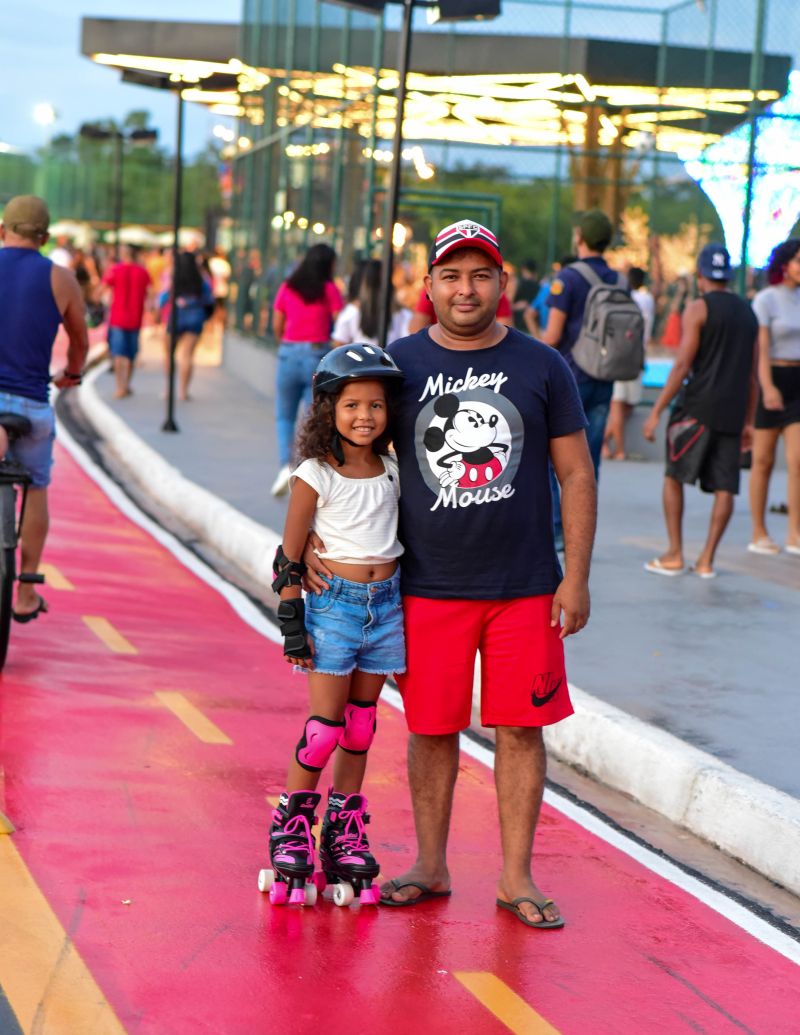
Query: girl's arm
773, 400
297, 647
300, 514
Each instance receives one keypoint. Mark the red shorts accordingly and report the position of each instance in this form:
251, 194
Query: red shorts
523, 682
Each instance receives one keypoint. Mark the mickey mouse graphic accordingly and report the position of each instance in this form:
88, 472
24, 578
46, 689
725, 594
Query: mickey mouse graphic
475, 458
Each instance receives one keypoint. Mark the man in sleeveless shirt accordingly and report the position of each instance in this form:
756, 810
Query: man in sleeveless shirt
36, 296
711, 422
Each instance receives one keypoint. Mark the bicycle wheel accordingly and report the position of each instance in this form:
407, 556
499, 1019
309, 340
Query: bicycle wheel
8, 574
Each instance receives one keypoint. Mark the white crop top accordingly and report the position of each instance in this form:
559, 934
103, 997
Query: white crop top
356, 518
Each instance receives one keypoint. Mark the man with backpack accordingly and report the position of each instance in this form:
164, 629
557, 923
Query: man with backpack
597, 327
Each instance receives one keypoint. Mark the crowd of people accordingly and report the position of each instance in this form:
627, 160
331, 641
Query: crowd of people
131, 287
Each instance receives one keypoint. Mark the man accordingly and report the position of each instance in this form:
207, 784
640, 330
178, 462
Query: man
481, 411
627, 394
712, 422
35, 297
526, 291
129, 284
424, 314
566, 303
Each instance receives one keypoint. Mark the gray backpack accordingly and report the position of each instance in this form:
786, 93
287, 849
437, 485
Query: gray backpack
610, 344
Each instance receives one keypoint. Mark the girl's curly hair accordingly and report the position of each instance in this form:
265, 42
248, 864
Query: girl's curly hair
316, 435
782, 254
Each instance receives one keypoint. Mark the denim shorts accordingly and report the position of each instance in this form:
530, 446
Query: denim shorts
123, 343
357, 625
34, 451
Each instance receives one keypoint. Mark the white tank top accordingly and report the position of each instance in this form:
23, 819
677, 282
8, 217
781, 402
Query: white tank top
356, 518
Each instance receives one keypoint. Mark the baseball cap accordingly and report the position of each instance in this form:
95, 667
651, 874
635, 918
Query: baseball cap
595, 229
464, 234
26, 215
714, 262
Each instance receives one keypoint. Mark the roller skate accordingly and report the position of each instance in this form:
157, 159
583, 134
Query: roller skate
291, 851
347, 863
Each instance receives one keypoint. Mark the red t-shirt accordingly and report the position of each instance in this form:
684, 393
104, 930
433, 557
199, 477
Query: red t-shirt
130, 283
308, 321
424, 305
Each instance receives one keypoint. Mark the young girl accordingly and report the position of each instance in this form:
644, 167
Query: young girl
346, 490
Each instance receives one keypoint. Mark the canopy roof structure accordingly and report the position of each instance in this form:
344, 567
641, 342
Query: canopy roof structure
508, 94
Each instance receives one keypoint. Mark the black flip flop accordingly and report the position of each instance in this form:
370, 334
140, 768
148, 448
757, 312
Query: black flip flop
28, 616
544, 925
425, 894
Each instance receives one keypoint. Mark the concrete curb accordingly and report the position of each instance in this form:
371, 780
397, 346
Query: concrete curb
751, 821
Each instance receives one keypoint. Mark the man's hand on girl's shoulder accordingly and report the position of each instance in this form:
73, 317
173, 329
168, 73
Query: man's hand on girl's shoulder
316, 572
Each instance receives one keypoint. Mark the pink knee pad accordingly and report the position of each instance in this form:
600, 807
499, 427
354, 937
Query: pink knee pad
318, 742
359, 726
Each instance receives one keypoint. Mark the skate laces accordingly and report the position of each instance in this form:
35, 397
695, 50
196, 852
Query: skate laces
354, 835
295, 828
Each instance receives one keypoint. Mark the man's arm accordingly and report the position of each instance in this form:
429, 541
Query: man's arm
531, 321
68, 298
694, 319
573, 466
556, 322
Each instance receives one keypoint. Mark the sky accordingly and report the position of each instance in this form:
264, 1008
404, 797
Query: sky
40, 61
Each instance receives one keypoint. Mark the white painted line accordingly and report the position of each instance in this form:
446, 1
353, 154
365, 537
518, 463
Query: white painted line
720, 903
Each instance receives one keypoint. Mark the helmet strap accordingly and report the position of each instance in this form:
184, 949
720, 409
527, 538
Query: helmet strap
336, 447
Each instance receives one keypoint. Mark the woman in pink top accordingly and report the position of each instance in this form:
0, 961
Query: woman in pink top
303, 314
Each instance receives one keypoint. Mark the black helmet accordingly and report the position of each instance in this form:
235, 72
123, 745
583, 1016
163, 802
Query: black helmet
356, 362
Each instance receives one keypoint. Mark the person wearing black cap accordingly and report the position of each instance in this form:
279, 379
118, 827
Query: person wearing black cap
712, 422
36, 296
482, 410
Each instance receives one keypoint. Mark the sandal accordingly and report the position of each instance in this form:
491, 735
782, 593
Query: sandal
765, 546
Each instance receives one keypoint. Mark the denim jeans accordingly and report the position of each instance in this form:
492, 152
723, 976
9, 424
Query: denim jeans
357, 625
297, 362
596, 399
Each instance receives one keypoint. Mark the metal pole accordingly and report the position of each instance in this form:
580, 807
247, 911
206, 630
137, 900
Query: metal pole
169, 424
756, 69
394, 180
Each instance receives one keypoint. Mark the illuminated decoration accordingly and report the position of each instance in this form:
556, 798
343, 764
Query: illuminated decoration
224, 87
520, 109
721, 171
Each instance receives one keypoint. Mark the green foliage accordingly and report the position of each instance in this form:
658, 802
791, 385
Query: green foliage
529, 227
77, 176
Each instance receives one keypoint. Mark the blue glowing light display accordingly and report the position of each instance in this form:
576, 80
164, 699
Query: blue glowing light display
721, 171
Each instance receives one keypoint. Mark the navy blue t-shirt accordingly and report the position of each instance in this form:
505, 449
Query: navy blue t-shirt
568, 292
472, 432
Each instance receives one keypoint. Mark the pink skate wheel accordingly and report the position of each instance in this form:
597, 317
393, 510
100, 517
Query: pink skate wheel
311, 893
297, 897
370, 896
277, 894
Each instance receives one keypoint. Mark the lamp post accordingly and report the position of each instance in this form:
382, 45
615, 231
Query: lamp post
443, 10
92, 131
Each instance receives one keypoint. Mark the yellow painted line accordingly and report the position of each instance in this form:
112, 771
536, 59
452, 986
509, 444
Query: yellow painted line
505, 1004
54, 577
105, 632
47, 984
194, 720
6, 826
